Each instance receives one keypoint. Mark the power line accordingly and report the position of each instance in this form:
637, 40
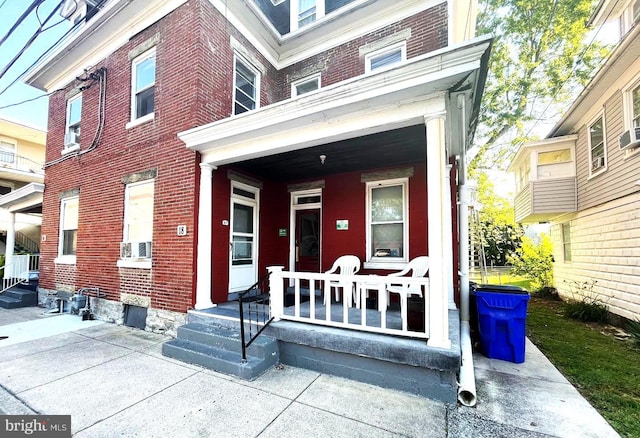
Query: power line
28, 43
24, 15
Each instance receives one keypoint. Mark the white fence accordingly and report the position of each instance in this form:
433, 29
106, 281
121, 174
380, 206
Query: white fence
357, 316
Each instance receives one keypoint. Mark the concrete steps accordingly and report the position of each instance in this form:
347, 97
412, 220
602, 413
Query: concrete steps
18, 297
219, 348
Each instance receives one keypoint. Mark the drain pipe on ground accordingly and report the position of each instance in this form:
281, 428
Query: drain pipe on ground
467, 378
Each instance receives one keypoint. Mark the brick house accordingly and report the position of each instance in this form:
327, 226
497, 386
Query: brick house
196, 145
584, 178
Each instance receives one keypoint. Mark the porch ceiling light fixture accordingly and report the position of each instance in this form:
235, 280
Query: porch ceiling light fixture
322, 158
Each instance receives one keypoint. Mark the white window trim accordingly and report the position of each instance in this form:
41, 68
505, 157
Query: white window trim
141, 262
627, 113
564, 243
134, 63
293, 15
65, 149
392, 48
66, 259
315, 77
604, 168
239, 58
384, 262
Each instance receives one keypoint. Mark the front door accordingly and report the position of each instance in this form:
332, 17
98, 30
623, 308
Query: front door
243, 267
308, 240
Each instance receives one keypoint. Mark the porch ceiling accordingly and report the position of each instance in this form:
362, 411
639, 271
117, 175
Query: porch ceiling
386, 149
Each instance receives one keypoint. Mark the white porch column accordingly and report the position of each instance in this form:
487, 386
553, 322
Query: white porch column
11, 243
203, 280
438, 233
448, 243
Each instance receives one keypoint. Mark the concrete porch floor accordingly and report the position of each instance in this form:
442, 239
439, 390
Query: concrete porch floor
115, 382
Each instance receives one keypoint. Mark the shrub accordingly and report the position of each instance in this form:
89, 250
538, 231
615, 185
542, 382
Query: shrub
534, 261
548, 293
585, 304
634, 330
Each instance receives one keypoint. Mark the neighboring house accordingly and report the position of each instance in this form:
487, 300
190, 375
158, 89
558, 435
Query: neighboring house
22, 153
585, 177
208, 141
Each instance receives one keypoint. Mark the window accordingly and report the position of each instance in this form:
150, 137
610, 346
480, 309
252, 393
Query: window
305, 12
597, 146
386, 58
138, 212
143, 81
387, 221
633, 107
246, 87
74, 116
305, 85
566, 242
68, 229
553, 157
7, 153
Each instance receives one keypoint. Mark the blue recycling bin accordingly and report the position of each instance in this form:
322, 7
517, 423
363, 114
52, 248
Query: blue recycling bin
502, 314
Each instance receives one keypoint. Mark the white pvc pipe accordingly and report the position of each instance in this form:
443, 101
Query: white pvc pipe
467, 384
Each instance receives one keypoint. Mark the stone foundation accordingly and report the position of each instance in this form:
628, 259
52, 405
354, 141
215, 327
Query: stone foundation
158, 321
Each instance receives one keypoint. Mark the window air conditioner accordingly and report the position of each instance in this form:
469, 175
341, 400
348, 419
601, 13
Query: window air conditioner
70, 139
630, 139
597, 163
135, 250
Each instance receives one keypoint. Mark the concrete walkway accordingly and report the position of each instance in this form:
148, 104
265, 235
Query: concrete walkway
114, 381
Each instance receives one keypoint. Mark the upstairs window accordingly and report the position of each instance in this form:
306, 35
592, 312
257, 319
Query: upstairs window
7, 154
143, 81
387, 217
305, 85
386, 58
597, 151
634, 95
68, 229
305, 12
246, 87
72, 130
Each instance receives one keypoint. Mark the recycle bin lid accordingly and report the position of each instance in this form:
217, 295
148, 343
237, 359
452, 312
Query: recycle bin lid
500, 288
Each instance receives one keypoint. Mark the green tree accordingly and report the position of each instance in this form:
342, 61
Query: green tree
540, 58
534, 261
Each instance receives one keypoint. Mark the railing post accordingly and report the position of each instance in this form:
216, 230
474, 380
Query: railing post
276, 291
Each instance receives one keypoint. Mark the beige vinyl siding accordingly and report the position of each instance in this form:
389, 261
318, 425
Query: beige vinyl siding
556, 195
523, 203
622, 173
605, 243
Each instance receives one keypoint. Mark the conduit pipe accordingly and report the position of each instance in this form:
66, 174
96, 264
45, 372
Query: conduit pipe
466, 379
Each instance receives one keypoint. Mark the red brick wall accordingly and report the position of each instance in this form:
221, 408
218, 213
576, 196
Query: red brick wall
194, 79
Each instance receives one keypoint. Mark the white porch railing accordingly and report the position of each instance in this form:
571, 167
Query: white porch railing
19, 270
358, 317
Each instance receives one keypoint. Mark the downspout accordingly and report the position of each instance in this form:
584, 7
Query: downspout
467, 380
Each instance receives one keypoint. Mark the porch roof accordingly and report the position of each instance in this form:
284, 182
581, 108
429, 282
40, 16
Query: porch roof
27, 199
368, 104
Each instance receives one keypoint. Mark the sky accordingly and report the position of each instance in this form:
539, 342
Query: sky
33, 113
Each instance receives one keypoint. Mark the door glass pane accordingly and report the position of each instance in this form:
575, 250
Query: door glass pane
387, 240
242, 250
242, 218
309, 234
386, 204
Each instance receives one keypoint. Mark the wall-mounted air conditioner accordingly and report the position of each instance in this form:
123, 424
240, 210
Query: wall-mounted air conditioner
135, 250
630, 139
70, 139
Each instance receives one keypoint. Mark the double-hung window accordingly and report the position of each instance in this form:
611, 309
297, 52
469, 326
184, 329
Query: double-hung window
305, 12
72, 130
386, 58
566, 242
246, 87
143, 81
387, 222
138, 213
597, 146
68, 239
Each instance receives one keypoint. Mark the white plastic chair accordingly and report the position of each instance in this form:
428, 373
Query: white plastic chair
419, 267
346, 265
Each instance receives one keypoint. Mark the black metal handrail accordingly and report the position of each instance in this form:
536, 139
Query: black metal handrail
259, 315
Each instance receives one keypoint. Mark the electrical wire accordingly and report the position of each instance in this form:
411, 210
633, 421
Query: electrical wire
24, 15
28, 43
